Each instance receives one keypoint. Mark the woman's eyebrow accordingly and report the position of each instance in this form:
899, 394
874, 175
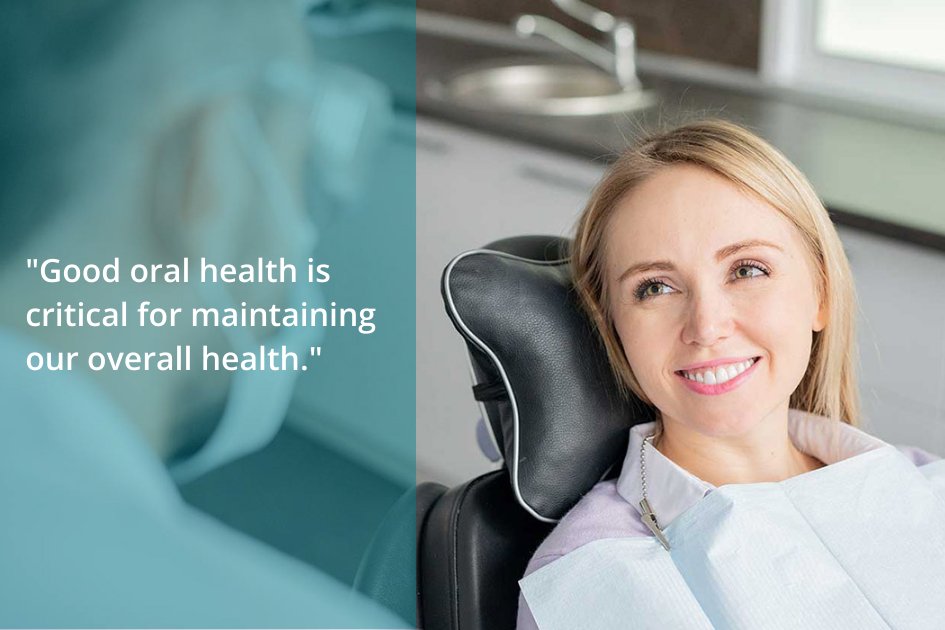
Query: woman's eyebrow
722, 254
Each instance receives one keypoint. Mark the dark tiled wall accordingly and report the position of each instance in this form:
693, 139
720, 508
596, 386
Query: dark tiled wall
722, 31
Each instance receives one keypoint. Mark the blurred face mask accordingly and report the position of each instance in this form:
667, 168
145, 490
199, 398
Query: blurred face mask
259, 399
351, 118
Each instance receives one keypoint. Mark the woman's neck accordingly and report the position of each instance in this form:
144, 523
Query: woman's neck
763, 453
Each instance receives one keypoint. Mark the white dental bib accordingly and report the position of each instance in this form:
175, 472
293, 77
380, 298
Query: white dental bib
856, 544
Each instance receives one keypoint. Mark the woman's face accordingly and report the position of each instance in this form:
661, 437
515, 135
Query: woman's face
732, 282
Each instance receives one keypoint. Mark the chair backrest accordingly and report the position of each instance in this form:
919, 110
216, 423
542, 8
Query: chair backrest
473, 548
553, 407
388, 570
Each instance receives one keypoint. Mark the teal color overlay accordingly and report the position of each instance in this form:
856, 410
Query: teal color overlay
195, 468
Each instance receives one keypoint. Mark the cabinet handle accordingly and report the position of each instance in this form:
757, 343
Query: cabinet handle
430, 144
545, 176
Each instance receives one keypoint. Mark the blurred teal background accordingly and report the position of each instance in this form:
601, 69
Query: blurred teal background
152, 131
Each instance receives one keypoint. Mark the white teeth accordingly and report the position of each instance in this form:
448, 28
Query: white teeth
719, 374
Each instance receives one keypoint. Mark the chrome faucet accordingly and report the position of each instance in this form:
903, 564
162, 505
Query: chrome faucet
621, 61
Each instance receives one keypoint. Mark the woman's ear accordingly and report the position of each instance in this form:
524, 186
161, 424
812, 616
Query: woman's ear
202, 187
821, 318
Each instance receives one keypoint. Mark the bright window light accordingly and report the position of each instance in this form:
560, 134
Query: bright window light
907, 33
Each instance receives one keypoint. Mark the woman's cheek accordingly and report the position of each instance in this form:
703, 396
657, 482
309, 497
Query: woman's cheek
781, 323
782, 312
644, 340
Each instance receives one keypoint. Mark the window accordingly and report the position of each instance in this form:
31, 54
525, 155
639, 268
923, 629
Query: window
874, 51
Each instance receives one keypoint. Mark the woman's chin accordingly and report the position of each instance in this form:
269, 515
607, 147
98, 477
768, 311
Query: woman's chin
722, 425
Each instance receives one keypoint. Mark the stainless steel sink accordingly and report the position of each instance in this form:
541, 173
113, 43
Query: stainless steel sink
544, 89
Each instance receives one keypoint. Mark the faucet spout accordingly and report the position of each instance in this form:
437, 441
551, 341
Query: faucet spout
528, 25
621, 62
625, 55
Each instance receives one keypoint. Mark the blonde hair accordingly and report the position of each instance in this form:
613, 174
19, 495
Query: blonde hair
829, 387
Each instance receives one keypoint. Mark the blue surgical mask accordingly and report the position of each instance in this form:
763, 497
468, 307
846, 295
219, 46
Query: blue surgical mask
258, 400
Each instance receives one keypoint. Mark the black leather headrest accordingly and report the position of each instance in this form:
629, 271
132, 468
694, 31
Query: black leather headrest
542, 373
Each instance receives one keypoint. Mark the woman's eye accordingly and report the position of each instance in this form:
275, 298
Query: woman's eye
651, 288
749, 270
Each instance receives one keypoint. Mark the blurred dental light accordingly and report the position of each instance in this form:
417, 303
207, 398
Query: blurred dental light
337, 18
349, 123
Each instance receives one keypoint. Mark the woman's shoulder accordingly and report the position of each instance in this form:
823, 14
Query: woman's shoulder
601, 513
916, 455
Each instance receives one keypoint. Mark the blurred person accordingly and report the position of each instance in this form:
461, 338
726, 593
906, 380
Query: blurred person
151, 132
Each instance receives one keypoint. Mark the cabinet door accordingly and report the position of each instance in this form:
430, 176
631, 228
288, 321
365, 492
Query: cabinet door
473, 189
901, 291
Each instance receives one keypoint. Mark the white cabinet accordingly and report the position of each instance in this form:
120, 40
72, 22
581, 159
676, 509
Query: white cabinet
901, 291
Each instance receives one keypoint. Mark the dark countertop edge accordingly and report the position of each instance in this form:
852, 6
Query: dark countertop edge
840, 216
896, 231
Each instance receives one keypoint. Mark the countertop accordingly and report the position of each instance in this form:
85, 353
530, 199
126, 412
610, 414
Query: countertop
875, 174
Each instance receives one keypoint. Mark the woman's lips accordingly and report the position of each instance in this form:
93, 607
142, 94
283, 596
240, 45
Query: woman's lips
727, 386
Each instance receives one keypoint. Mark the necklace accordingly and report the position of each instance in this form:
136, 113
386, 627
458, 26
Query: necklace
649, 518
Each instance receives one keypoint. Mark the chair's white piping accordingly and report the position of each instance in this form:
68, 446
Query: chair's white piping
505, 379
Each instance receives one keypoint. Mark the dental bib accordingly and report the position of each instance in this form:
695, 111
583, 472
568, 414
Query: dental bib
856, 544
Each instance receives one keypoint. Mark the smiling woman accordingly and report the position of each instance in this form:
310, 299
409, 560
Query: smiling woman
728, 296
725, 301
740, 236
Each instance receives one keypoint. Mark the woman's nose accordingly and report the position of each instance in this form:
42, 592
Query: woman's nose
708, 319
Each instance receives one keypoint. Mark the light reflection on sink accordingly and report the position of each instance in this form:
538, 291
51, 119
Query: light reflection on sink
545, 89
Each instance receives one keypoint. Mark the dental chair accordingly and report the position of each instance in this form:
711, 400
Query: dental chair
552, 407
